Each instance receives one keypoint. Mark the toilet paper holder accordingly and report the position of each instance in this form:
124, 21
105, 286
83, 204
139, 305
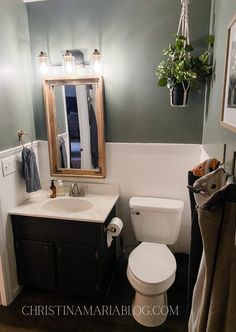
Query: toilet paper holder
112, 229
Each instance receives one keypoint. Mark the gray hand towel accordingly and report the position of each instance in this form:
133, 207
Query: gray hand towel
62, 153
29, 170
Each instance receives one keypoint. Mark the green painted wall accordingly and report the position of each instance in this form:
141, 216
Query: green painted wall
214, 135
131, 35
16, 111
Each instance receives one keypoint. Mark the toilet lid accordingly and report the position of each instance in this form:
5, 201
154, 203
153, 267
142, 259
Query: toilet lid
152, 262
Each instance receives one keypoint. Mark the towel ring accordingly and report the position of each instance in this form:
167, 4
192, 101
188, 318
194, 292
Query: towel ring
20, 134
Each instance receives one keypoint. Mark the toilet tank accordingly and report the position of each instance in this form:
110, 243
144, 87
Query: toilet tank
156, 220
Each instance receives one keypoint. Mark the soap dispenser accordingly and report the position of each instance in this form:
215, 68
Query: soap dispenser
53, 189
60, 188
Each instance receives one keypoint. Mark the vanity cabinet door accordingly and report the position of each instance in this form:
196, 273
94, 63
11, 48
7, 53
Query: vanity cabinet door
35, 264
77, 269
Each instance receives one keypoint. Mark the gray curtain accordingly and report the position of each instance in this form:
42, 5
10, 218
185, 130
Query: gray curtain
214, 297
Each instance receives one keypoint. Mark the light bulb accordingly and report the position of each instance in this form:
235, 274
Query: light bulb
42, 63
96, 63
68, 63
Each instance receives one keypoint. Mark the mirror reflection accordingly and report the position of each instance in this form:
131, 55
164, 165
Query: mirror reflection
75, 125
77, 133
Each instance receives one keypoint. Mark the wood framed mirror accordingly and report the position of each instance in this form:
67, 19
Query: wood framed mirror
75, 126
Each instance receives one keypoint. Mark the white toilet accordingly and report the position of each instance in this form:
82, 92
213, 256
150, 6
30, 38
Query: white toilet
151, 265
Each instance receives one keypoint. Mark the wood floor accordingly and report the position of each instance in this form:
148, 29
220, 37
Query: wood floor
37, 311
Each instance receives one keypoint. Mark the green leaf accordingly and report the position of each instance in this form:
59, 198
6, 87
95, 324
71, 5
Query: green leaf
189, 48
179, 44
211, 40
162, 82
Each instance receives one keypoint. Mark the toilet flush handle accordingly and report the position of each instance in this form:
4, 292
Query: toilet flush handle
135, 212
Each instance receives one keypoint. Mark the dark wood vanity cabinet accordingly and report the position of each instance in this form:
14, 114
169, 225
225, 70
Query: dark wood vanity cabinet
63, 255
35, 261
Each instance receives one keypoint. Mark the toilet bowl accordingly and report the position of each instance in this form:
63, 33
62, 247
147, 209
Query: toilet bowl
151, 266
151, 271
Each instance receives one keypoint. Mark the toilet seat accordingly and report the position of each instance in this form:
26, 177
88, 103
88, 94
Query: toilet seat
151, 268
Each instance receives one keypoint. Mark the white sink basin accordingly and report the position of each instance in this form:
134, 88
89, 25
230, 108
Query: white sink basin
67, 205
94, 207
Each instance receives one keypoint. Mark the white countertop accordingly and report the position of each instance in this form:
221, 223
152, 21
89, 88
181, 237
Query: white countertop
101, 206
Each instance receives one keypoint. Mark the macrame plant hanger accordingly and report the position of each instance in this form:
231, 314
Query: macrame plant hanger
183, 30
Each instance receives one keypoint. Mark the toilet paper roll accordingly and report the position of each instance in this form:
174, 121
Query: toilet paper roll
113, 229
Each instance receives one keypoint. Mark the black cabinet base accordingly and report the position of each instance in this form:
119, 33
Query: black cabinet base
64, 256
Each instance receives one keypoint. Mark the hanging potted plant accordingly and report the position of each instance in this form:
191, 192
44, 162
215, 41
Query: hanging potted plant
181, 70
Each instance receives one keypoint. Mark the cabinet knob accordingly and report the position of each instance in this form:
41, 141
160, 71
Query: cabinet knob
59, 250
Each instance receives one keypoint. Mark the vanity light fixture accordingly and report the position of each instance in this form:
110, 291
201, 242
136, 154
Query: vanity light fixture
42, 64
96, 62
70, 64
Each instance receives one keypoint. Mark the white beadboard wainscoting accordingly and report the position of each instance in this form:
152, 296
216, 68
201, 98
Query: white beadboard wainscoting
12, 193
144, 169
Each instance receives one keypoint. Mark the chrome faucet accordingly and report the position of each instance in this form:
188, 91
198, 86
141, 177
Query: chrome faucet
75, 191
